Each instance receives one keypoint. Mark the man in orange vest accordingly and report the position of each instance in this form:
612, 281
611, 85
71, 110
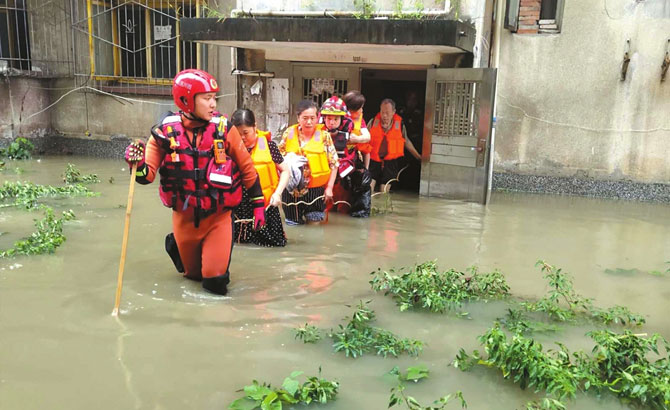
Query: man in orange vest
388, 139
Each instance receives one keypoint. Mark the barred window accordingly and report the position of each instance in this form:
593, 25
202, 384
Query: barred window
14, 35
137, 41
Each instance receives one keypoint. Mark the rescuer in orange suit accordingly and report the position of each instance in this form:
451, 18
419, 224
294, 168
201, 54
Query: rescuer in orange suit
202, 163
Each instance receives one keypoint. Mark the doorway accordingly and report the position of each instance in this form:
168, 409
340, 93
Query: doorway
407, 88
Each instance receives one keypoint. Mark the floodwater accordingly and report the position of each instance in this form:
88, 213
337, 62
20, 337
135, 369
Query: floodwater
176, 347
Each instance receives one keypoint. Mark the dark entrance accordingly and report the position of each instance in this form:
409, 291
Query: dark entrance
407, 88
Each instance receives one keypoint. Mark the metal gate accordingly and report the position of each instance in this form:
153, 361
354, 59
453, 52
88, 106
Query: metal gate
457, 133
317, 82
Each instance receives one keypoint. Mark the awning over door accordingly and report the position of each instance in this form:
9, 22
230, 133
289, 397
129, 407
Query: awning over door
302, 36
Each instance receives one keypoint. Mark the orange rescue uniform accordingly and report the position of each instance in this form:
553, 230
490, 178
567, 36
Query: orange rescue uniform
205, 251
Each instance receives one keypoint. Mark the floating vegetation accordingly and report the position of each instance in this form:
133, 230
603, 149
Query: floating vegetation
398, 396
563, 304
424, 286
26, 194
74, 176
357, 337
46, 239
263, 396
618, 364
308, 333
20, 148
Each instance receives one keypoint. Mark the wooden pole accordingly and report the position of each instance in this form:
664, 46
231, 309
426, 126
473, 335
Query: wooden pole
124, 244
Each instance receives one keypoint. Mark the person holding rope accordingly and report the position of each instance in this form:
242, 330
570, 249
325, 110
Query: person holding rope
202, 164
310, 140
388, 140
349, 183
273, 175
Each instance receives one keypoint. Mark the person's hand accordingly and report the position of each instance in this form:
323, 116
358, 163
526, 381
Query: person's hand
328, 193
135, 154
275, 199
259, 214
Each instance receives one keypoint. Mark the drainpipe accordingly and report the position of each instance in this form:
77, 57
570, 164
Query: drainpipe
495, 63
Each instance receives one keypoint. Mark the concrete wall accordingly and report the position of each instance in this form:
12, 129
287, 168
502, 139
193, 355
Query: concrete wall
22, 98
562, 109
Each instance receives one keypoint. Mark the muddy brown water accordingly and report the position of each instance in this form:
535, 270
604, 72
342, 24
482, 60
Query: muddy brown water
177, 347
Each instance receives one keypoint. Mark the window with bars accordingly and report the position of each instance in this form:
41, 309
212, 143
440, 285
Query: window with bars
14, 34
320, 89
137, 40
456, 109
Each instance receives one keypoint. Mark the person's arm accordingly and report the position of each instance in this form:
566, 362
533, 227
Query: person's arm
275, 199
408, 144
334, 163
238, 152
364, 138
366, 160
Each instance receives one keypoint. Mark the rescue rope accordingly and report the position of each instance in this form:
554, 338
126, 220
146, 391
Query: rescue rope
247, 220
387, 186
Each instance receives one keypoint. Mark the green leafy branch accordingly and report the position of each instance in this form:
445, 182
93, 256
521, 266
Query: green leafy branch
425, 287
20, 148
27, 194
46, 239
618, 364
358, 337
73, 176
415, 374
563, 304
263, 396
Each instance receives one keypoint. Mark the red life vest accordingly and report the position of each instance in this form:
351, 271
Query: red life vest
190, 178
394, 139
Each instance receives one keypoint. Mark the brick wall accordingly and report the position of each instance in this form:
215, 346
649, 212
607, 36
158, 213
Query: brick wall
529, 14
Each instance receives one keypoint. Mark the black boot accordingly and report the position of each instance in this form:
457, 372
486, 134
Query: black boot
218, 284
173, 251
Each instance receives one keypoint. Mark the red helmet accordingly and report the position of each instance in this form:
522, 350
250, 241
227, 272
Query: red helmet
334, 106
188, 83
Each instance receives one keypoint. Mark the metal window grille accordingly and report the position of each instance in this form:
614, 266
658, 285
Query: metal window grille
317, 91
456, 109
35, 38
134, 45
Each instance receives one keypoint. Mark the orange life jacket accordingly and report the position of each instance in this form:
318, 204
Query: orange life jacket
314, 151
265, 166
358, 124
394, 139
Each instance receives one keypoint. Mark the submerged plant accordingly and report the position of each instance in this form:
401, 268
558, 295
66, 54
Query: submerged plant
26, 194
518, 321
46, 239
308, 333
398, 396
20, 148
357, 337
563, 304
424, 286
73, 176
263, 396
618, 364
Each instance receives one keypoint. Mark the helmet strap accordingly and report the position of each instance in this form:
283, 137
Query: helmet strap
191, 116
